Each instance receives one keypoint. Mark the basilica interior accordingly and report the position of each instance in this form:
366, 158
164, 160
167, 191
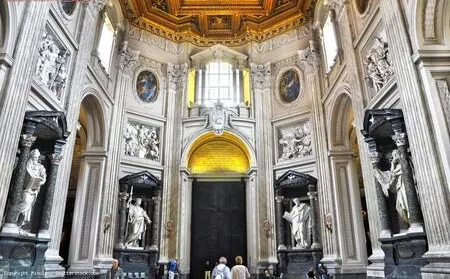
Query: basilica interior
299, 134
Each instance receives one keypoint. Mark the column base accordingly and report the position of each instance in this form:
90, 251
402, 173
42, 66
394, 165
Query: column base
51, 266
137, 261
439, 264
295, 264
403, 255
376, 268
22, 256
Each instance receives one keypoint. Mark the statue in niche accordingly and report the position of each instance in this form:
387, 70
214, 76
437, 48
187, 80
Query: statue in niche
300, 220
136, 226
391, 180
35, 177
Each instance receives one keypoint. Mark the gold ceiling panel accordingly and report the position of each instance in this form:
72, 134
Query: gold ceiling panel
209, 22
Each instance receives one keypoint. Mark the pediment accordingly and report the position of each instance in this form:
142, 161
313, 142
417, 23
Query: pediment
219, 52
143, 179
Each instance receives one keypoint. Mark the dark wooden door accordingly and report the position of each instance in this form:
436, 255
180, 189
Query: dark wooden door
218, 223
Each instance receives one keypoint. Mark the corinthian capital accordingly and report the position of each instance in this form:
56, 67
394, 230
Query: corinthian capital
128, 57
177, 75
97, 5
260, 75
309, 58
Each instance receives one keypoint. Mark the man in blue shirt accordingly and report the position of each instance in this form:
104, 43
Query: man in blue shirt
173, 268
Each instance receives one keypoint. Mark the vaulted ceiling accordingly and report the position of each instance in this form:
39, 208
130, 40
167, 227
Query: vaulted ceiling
208, 22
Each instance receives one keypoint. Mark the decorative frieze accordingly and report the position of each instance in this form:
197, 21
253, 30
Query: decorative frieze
294, 141
142, 141
281, 40
378, 64
52, 65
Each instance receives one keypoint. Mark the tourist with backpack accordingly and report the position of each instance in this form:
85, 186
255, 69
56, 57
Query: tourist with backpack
239, 271
221, 271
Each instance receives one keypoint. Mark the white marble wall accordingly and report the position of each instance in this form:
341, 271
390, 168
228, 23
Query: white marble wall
417, 35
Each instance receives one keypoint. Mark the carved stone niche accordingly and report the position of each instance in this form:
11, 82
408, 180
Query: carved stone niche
25, 232
139, 256
402, 236
296, 209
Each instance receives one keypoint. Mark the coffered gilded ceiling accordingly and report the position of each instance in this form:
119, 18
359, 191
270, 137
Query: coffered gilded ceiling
208, 22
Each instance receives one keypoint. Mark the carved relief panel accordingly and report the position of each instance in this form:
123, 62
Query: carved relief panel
142, 141
52, 70
377, 61
294, 141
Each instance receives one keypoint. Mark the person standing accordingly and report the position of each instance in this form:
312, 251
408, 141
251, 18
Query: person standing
207, 270
115, 272
239, 271
173, 268
268, 275
221, 271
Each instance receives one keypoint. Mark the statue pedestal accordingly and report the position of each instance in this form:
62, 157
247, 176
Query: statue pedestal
137, 263
295, 263
403, 255
22, 256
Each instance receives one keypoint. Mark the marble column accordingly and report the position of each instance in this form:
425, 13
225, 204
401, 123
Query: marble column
123, 197
385, 229
156, 221
279, 219
415, 215
55, 160
312, 194
15, 196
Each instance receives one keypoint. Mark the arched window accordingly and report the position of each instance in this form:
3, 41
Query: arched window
329, 43
106, 43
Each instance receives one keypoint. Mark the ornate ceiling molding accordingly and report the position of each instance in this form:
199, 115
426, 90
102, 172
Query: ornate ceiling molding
211, 22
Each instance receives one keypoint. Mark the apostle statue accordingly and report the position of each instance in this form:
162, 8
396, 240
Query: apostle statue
391, 180
137, 217
300, 220
35, 177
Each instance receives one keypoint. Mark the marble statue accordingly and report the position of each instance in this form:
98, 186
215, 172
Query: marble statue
137, 219
391, 180
35, 177
300, 220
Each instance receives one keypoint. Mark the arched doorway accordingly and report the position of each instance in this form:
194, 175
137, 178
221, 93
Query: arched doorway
219, 166
81, 217
348, 189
